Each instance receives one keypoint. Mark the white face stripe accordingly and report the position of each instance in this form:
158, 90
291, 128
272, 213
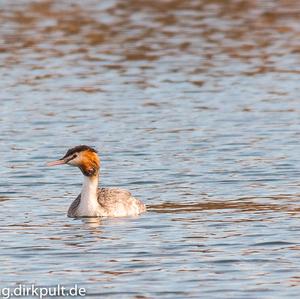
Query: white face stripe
75, 161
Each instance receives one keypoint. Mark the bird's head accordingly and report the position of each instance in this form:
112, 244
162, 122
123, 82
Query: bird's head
83, 157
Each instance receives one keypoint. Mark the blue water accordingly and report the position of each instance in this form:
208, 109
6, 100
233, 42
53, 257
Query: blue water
193, 106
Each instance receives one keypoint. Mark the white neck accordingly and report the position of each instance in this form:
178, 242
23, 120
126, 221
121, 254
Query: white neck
88, 203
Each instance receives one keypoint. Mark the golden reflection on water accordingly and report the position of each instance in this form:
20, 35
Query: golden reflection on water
4, 198
244, 205
244, 31
91, 222
286, 203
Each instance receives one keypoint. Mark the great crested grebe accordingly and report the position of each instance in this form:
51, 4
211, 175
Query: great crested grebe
94, 201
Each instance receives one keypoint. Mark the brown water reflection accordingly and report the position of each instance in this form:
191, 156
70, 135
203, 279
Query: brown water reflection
247, 31
281, 202
216, 205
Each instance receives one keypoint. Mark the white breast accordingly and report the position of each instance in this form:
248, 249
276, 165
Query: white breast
88, 203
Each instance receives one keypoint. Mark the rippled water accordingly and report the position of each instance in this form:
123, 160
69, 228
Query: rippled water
194, 107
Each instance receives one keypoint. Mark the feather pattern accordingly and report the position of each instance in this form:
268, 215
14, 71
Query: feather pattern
111, 202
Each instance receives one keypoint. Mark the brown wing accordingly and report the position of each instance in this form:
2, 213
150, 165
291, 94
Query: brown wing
119, 202
112, 195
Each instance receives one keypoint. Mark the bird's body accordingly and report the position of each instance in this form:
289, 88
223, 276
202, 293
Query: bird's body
94, 201
110, 203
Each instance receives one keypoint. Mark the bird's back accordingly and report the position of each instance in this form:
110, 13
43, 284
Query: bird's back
119, 202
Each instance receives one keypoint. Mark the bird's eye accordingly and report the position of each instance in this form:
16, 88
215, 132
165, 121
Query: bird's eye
74, 156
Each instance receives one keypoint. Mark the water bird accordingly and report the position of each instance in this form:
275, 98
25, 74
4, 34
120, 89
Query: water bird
94, 201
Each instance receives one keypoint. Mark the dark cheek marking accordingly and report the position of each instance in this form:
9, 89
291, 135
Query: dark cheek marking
88, 171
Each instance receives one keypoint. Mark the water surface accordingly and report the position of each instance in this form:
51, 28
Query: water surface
193, 105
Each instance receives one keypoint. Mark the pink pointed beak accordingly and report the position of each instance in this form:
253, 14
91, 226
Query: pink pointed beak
57, 162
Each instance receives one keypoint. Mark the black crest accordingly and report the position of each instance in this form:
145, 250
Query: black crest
77, 149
